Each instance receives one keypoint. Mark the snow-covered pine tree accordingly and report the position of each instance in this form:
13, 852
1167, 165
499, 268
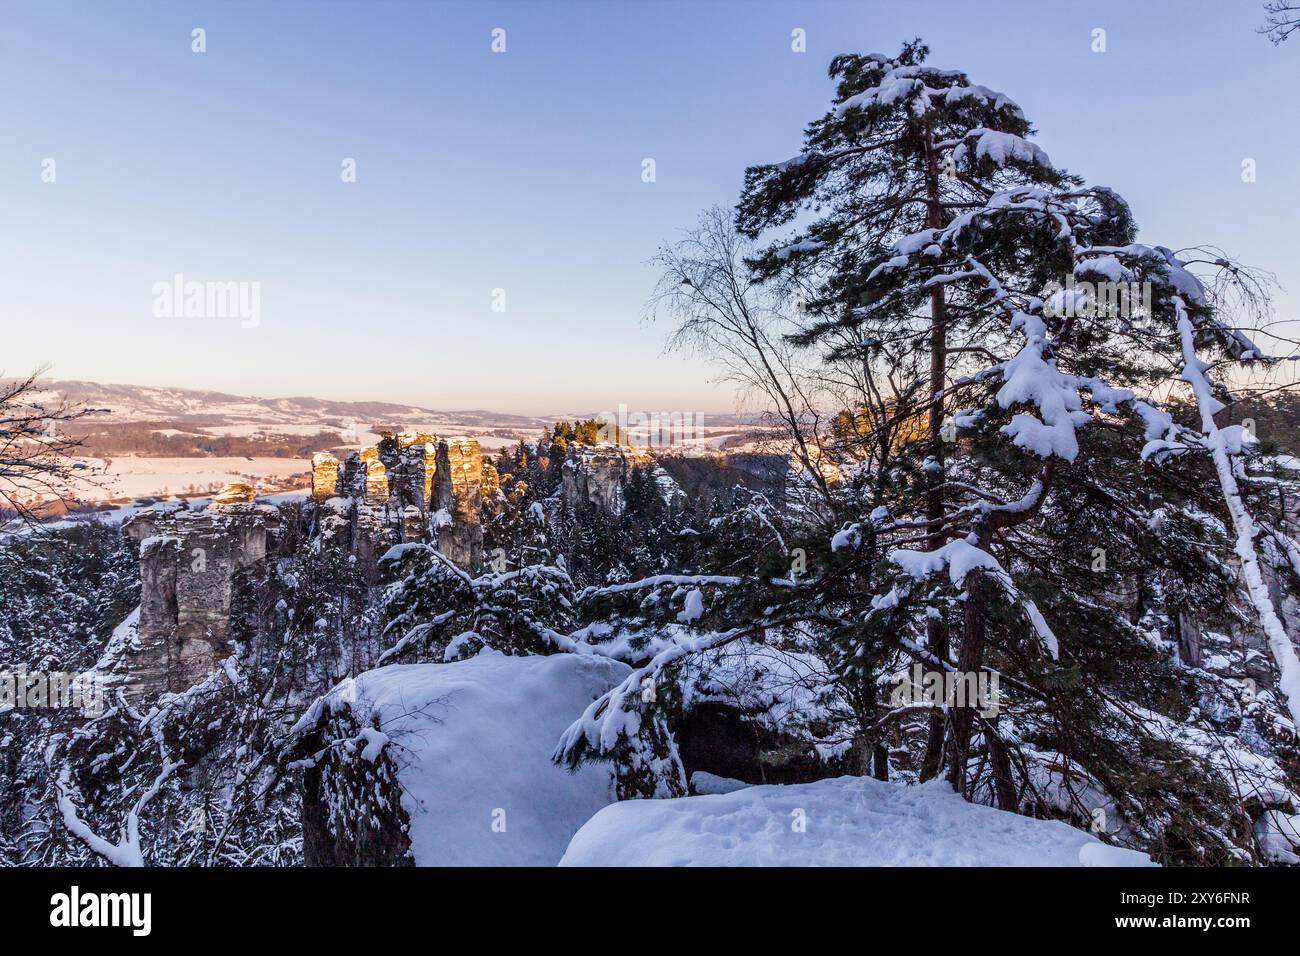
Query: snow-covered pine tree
907, 99
1047, 429
905, 148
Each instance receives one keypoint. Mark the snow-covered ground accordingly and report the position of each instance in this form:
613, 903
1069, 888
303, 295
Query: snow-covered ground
120, 513
846, 821
139, 477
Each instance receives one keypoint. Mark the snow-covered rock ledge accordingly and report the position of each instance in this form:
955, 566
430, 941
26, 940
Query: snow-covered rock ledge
450, 764
846, 821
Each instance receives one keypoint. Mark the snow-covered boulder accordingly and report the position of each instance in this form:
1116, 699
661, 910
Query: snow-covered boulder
450, 764
845, 821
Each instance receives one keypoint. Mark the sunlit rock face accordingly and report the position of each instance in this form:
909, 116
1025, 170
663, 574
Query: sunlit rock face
235, 493
595, 474
413, 476
411, 487
324, 476
407, 439
376, 493
188, 563
458, 492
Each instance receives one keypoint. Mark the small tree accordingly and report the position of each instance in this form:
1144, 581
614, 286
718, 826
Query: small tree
36, 465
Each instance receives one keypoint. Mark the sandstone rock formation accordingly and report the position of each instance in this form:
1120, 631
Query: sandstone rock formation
376, 486
324, 476
235, 493
458, 491
188, 562
410, 487
596, 474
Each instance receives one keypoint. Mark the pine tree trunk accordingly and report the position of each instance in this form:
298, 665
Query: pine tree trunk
974, 619
1003, 784
933, 758
880, 764
973, 628
858, 759
1189, 636
936, 630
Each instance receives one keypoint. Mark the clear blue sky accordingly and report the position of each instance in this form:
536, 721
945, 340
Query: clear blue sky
522, 171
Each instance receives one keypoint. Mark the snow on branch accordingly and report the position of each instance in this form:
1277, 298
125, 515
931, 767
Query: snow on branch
615, 716
657, 580
1032, 377
1223, 444
1001, 148
959, 558
126, 851
908, 84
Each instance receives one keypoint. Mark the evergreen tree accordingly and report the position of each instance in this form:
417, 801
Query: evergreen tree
948, 260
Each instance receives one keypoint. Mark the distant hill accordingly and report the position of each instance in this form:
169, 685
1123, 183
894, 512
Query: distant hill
199, 407
149, 421
152, 421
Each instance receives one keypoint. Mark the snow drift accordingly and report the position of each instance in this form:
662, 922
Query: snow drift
846, 821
